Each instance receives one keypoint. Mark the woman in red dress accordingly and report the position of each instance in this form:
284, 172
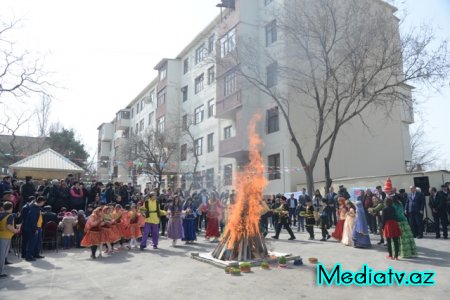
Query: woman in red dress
337, 234
391, 229
214, 212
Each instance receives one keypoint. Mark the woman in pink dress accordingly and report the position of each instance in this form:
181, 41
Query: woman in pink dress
349, 224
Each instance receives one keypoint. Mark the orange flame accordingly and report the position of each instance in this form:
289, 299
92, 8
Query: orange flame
250, 183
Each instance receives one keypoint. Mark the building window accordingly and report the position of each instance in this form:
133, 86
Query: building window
228, 42
200, 53
184, 122
163, 73
199, 83
271, 32
211, 108
160, 124
199, 114
211, 41
211, 75
198, 146
272, 74
186, 66
150, 118
272, 120
141, 125
183, 154
229, 83
210, 178
132, 112
136, 129
227, 132
184, 91
228, 174
274, 166
137, 108
161, 98
152, 96
210, 142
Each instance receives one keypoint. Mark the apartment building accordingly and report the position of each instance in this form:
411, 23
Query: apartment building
202, 90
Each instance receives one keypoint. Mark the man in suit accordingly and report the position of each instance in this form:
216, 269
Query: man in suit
438, 205
414, 210
292, 204
32, 228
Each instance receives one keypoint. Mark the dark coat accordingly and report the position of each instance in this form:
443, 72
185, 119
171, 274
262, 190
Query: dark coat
30, 218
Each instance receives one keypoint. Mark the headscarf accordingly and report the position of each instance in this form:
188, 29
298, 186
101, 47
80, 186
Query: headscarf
360, 221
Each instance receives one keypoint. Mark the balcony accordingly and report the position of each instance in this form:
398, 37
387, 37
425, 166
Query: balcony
234, 148
226, 107
123, 119
104, 149
106, 132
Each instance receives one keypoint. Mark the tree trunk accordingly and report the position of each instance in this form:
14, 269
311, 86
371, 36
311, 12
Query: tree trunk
328, 180
159, 183
309, 180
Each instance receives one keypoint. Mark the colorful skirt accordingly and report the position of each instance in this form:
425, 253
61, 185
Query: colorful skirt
108, 235
407, 243
337, 234
175, 228
91, 238
133, 231
361, 240
391, 229
189, 230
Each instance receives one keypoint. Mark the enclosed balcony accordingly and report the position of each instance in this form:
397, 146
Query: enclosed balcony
106, 132
226, 107
123, 119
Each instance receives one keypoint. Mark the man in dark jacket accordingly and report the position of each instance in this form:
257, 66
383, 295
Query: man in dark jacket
54, 195
27, 190
32, 228
283, 212
5, 185
48, 216
438, 205
414, 211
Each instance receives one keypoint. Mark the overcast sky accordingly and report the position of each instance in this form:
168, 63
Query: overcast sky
103, 53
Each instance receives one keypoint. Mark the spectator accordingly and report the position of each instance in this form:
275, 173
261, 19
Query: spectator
48, 216
32, 229
7, 231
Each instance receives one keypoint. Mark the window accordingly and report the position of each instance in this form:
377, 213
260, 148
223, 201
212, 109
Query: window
184, 122
229, 83
211, 108
267, 2
142, 105
137, 108
136, 129
199, 83
160, 124
274, 166
198, 146
199, 113
141, 125
132, 112
271, 33
150, 118
211, 41
200, 53
227, 132
183, 154
228, 42
161, 98
211, 75
272, 74
228, 174
210, 145
152, 96
186, 66
184, 91
210, 178
163, 73
272, 120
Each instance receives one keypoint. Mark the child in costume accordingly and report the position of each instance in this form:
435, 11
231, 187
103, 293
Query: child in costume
189, 222
93, 236
134, 221
117, 225
376, 210
310, 219
214, 212
342, 210
325, 214
347, 238
391, 229
108, 234
175, 226
152, 214
360, 232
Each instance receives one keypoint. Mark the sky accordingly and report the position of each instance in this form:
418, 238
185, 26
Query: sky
102, 53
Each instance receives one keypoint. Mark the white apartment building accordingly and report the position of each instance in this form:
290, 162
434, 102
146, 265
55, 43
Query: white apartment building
201, 88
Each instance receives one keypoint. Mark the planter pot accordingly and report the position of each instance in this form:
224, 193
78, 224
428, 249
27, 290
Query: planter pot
313, 260
235, 274
265, 267
282, 265
227, 270
245, 269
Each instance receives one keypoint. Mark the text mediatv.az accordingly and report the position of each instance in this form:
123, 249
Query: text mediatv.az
367, 276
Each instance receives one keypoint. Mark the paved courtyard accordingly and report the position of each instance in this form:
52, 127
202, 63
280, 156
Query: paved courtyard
170, 273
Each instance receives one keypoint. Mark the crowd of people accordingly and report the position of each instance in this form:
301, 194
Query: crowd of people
115, 216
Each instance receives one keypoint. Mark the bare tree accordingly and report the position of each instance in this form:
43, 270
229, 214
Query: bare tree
155, 150
188, 149
21, 74
423, 154
338, 61
43, 115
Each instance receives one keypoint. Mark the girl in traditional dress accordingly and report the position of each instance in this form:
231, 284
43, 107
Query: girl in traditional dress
342, 210
407, 243
175, 226
214, 211
360, 232
118, 226
390, 227
108, 234
349, 223
134, 220
189, 222
93, 236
